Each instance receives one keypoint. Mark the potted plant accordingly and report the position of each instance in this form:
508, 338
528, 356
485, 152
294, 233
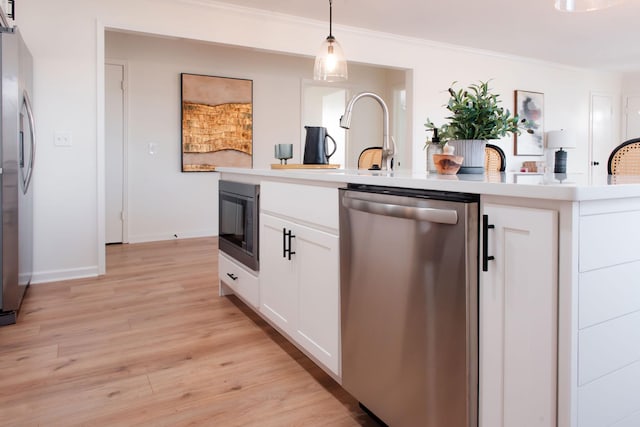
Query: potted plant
476, 116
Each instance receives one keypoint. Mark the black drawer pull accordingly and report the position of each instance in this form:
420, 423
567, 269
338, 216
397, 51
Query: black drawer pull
232, 276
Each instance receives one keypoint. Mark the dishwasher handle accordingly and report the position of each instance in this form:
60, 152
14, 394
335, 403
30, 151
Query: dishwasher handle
442, 216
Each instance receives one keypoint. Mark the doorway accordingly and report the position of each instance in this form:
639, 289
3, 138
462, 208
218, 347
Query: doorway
602, 132
323, 105
115, 153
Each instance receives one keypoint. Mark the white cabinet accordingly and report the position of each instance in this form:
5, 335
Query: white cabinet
299, 269
519, 319
241, 281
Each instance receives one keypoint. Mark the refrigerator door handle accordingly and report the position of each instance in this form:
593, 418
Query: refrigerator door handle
32, 129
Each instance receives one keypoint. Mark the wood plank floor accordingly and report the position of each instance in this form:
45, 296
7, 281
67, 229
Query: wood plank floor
152, 343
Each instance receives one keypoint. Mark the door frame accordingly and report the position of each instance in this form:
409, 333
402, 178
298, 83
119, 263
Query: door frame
590, 158
125, 147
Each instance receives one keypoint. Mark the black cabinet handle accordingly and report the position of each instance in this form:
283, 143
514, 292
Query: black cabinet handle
232, 276
284, 243
595, 163
290, 235
485, 242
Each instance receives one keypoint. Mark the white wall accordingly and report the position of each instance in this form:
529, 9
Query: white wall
66, 39
631, 83
164, 201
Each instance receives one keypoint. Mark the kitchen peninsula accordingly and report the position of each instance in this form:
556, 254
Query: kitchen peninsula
559, 304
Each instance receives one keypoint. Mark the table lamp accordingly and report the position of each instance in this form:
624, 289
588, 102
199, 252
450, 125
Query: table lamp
560, 139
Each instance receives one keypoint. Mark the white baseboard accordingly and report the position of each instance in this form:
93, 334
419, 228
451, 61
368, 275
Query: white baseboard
166, 236
80, 273
69, 274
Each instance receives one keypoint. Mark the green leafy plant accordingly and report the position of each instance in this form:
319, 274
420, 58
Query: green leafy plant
476, 114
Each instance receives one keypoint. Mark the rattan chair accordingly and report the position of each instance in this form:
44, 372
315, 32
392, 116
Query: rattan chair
494, 159
625, 158
369, 157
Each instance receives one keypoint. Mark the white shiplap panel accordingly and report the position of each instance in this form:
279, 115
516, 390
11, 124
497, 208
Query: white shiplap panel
630, 421
608, 346
610, 399
609, 293
609, 239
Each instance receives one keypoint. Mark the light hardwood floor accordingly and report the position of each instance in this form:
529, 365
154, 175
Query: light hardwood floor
152, 343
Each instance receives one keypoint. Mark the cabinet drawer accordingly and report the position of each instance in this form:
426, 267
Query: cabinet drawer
307, 203
244, 283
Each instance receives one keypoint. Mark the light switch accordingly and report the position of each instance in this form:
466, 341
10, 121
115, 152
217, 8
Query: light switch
62, 139
153, 148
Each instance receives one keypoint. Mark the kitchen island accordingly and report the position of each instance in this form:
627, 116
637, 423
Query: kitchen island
559, 304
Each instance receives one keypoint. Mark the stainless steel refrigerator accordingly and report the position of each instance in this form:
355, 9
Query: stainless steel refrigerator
17, 155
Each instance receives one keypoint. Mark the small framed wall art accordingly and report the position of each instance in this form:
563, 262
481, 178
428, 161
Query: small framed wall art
217, 122
529, 106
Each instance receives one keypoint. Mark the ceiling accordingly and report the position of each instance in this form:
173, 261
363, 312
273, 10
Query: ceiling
605, 39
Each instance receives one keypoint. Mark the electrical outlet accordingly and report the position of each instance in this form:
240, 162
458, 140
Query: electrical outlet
62, 139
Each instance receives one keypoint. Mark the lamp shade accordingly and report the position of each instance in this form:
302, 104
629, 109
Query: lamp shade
584, 5
330, 64
561, 139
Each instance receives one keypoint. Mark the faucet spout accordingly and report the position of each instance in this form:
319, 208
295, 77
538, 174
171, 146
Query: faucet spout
388, 151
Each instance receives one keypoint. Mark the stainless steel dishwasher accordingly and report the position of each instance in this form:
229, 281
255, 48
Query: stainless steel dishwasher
409, 305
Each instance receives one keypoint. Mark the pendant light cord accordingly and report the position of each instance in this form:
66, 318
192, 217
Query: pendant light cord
330, 18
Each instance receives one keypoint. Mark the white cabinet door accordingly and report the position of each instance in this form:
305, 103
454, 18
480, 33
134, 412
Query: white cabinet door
318, 323
278, 285
518, 318
301, 295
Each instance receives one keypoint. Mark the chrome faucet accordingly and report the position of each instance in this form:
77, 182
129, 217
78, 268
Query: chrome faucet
387, 150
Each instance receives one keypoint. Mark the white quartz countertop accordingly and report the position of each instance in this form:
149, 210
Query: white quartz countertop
571, 187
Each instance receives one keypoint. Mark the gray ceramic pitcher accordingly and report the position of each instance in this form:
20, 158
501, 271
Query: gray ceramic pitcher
316, 150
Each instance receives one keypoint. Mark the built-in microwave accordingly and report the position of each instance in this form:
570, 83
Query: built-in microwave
238, 221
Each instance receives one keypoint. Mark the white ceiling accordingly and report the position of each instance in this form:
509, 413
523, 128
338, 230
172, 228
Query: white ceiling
607, 39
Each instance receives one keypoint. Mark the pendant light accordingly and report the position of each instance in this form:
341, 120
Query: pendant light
584, 5
331, 64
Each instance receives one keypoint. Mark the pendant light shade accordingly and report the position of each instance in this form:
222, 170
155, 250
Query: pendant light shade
584, 5
331, 64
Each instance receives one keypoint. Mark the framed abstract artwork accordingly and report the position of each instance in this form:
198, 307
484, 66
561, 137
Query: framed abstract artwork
217, 122
529, 106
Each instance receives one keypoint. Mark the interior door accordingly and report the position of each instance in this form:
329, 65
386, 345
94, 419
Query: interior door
601, 133
114, 153
632, 129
